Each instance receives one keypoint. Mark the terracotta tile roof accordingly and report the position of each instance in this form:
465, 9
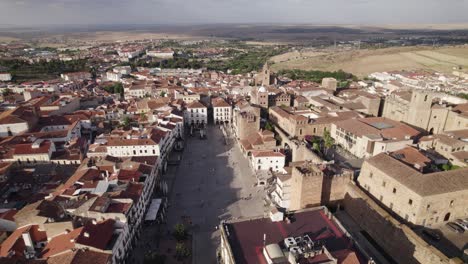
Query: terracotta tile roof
28, 149
195, 104
8, 215
61, 243
378, 126
97, 235
263, 154
219, 102
246, 237
423, 184
411, 156
15, 241
81, 256
461, 156
129, 175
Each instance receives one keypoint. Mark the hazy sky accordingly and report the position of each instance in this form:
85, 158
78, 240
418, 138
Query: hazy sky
42, 12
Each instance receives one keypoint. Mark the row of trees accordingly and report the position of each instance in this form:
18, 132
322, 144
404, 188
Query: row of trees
317, 76
23, 70
240, 63
245, 62
116, 88
321, 145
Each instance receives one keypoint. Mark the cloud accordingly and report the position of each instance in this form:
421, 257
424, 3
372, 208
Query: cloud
41, 12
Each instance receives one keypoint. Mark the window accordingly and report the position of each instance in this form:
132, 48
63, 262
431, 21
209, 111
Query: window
370, 175
381, 198
394, 190
428, 206
391, 205
384, 183
447, 217
406, 217
451, 203
410, 202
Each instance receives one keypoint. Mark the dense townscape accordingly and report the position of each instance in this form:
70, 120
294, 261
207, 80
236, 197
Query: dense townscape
185, 151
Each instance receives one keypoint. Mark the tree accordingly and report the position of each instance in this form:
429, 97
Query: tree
7, 92
328, 141
269, 126
181, 251
180, 232
162, 94
154, 258
449, 166
126, 121
143, 117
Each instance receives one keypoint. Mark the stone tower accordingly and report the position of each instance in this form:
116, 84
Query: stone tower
420, 109
266, 77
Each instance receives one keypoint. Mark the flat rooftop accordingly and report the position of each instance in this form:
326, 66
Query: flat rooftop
246, 236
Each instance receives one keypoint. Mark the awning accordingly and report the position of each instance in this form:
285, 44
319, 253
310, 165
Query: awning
153, 210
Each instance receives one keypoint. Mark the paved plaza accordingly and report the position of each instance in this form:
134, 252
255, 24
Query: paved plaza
212, 182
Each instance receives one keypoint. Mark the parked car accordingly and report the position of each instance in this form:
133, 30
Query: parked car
431, 234
462, 223
455, 227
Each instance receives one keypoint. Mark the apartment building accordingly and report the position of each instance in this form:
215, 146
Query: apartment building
187, 97
196, 113
137, 89
113, 76
426, 110
222, 111
367, 137
76, 76
18, 120
273, 239
453, 145
262, 140
264, 160
163, 54
5, 77
426, 199
298, 122
268, 97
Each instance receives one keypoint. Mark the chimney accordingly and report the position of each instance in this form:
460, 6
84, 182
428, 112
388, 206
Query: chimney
28, 241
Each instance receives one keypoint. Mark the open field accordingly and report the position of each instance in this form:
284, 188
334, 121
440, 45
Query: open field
102, 36
364, 62
256, 33
6, 39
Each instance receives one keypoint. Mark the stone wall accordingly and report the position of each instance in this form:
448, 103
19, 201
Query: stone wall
395, 238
